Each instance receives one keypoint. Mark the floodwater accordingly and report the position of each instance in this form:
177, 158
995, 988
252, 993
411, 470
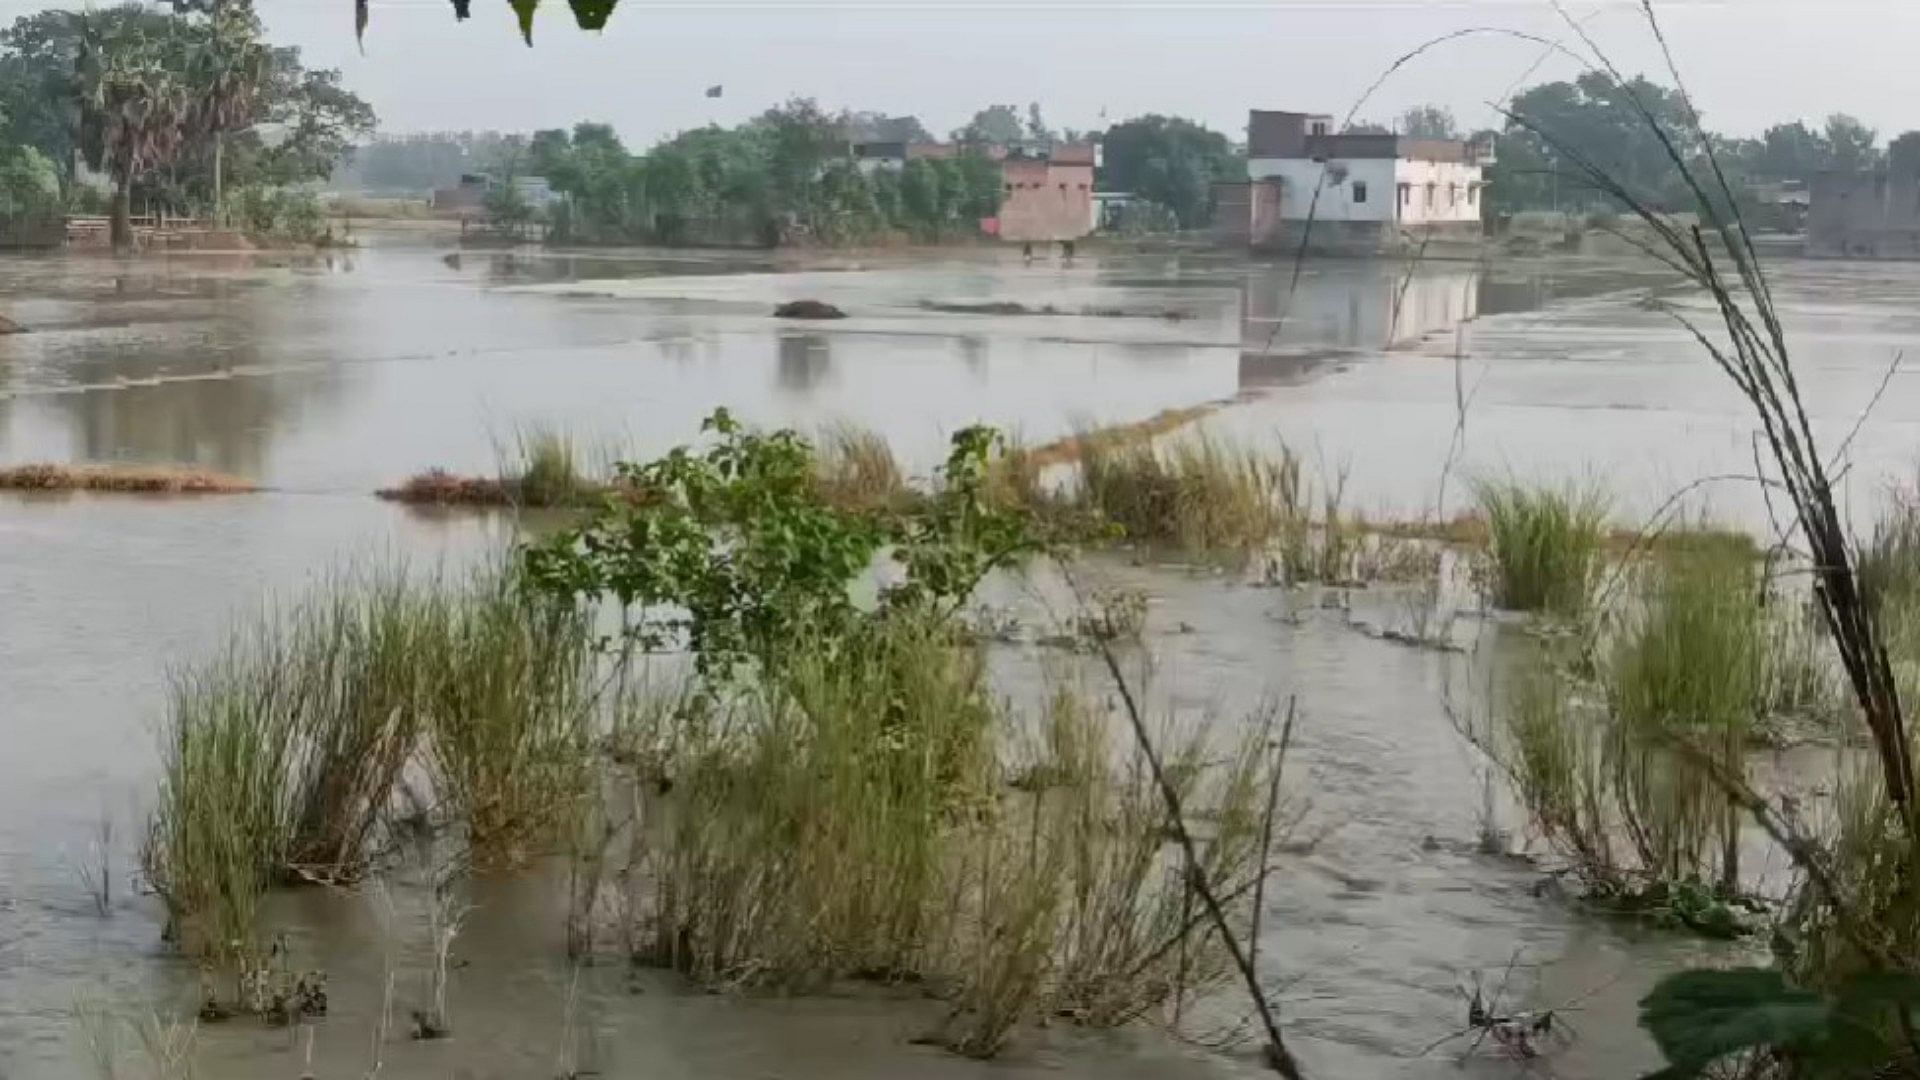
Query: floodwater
325, 378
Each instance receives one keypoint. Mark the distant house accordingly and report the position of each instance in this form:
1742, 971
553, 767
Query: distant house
1873, 214
465, 197
469, 196
1047, 195
884, 143
1358, 191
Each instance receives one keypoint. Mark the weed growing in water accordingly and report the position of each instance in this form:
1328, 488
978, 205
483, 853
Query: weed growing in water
1198, 494
856, 470
1545, 546
1683, 680
546, 470
508, 715
281, 756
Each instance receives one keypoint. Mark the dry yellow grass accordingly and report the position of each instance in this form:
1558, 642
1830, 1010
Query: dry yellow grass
127, 478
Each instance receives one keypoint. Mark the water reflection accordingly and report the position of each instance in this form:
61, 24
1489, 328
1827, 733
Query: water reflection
805, 361
1358, 306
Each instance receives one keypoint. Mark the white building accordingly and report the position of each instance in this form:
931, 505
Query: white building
1382, 185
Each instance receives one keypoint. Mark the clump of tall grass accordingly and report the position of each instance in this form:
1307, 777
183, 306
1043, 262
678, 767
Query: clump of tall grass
1684, 683
882, 815
507, 708
855, 469
803, 834
1614, 751
1545, 545
543, 468
1200, 494
281, 756
547, 470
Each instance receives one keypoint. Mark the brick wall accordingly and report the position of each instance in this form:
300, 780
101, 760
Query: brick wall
1044, 202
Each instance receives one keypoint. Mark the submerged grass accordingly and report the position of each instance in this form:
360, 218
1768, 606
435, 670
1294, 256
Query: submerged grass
281, 756
1199, 494
543, 468
126, 478
1544, 546
856, 469
879, 816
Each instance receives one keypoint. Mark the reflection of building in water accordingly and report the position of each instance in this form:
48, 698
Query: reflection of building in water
1352, 306
805, 360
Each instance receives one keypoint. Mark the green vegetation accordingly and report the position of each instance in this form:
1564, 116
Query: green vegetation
1199, 494
857, 469
170, 107
282, 756
1544, 546
787, 176
1171, 162
542, 469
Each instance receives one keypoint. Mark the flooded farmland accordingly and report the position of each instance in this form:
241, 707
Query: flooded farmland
326, 378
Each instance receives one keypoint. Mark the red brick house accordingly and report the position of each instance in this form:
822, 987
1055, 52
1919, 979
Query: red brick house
1047, 195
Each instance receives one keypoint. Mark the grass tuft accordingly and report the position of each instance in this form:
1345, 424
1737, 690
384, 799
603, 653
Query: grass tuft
855, 469
1544, 546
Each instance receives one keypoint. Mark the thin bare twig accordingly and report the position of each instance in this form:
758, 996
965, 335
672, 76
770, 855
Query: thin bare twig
1278, 1055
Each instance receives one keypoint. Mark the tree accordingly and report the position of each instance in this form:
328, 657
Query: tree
1037, 125
1428, 122
135, 109
995, 125
29, 184
1599, 119
226, 70
1850, 144
1790, 151
1170, 161
923, 195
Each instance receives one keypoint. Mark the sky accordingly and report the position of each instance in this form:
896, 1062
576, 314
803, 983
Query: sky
1749, 63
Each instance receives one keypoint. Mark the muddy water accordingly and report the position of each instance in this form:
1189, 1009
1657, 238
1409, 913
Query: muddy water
327, 378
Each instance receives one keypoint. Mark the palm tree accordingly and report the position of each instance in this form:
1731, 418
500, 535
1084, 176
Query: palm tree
227, 69
133, 110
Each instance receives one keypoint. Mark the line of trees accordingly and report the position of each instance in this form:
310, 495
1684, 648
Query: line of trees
1598, 117
791, 174
174, 109
788, 174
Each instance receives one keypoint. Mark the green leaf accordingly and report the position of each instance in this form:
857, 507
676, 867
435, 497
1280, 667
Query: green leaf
1698, 1017
525, 9
592, 14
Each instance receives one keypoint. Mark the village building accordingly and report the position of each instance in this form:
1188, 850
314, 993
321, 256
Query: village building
1047, 194
1871, 214
1357, 191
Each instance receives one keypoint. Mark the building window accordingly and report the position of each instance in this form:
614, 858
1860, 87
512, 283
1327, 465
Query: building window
1430, 188
1473, 195
1009, 189
1453, 195
1406, 194
1359, 191
1319, 127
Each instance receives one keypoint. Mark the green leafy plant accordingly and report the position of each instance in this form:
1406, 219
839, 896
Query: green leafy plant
733, 553
1701, 1018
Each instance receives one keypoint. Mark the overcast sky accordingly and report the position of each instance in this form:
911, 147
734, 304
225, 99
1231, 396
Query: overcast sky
1749, 62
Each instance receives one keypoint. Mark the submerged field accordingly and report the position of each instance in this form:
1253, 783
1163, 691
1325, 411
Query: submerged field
323, 383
